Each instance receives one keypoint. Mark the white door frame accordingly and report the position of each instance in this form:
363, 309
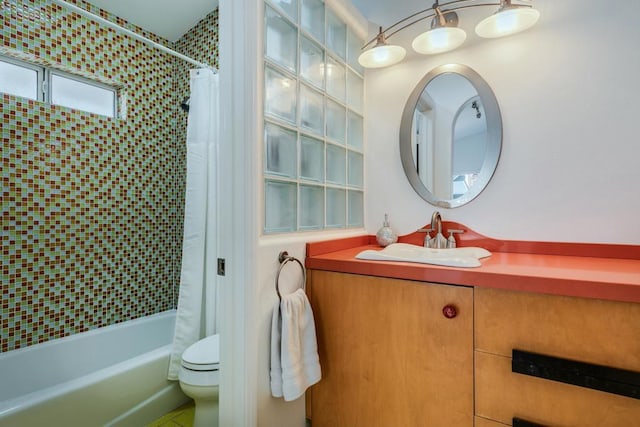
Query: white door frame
238, 206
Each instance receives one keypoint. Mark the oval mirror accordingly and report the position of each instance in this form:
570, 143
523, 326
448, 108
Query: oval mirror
450, 136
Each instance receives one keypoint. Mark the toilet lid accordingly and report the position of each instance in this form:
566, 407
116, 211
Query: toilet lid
203, 355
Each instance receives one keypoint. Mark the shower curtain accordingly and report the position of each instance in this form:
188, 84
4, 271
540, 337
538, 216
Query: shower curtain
196, 316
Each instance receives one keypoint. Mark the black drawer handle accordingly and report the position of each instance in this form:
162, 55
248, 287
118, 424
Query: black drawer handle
517, 422
597, 377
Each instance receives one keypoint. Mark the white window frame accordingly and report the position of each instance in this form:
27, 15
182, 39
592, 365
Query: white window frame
41, 94
44, 82
51, 72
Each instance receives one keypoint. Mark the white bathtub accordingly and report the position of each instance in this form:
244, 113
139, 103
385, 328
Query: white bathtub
113, 376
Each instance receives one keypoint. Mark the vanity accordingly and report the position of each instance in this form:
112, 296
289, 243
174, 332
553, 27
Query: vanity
536, 334
540, 334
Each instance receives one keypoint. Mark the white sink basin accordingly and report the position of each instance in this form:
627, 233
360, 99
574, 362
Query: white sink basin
456, 257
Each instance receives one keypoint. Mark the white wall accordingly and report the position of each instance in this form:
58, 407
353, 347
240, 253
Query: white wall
237, 202
276, 412
569, 93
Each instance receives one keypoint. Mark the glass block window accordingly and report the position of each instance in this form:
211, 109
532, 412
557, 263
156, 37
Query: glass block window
312, 18
313, 147
280, 40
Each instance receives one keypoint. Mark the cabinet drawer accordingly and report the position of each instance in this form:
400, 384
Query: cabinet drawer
502, 395
593, 331
388, 354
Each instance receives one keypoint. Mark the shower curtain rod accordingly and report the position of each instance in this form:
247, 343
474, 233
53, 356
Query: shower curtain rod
135, 35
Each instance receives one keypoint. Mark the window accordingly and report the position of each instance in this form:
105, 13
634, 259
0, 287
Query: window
21, 79
82, 94
44, 84
313, 122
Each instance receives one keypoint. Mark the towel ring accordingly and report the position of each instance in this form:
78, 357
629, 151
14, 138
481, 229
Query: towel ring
284, 258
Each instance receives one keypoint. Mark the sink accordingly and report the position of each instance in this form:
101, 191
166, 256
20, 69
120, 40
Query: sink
404, 252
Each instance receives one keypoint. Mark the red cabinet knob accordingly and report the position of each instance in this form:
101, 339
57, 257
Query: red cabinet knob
450, 311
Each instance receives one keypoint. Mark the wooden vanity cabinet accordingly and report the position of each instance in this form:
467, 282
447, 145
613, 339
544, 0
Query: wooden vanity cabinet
604, 333
389, 355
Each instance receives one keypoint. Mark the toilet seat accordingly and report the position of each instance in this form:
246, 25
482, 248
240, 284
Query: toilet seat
203, 355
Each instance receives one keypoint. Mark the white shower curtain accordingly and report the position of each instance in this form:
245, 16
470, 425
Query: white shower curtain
196, 316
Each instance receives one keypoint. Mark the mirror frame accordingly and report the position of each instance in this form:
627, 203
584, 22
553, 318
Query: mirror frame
494, 135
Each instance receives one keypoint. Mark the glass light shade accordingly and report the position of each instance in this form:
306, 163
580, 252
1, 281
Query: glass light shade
438, 40
507, 21
383, 55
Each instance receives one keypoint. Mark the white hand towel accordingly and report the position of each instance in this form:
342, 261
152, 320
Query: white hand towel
276, 362
295, 365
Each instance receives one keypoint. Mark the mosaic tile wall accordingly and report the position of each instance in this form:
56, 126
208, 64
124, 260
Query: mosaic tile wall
91, 206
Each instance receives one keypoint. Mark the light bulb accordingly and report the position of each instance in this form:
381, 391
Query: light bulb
438, 40
507, 21
382, 55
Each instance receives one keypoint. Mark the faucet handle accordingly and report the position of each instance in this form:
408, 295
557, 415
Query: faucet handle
451, 241
427, 237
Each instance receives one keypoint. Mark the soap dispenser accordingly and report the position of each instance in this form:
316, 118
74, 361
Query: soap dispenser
386, 236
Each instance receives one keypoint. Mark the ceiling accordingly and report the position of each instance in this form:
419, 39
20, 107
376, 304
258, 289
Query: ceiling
385, 12
167, 18
171, 19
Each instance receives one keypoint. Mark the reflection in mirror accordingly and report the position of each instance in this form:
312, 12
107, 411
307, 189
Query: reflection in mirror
449, 140
469, 145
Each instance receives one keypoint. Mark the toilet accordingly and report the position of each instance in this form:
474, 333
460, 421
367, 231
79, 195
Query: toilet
199, 379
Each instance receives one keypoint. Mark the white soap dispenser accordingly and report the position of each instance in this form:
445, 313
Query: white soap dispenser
386, 236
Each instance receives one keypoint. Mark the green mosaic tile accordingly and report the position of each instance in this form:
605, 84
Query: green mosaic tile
92, 207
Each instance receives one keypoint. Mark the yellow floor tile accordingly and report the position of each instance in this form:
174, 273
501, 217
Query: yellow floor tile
179, 417
185, 419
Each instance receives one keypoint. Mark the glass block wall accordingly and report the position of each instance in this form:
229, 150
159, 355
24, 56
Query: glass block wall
313, 119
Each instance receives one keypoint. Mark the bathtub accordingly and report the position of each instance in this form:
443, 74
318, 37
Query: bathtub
111, 376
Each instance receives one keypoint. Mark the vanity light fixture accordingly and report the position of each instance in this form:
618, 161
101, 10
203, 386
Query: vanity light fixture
444, 34
509, 19
382, 54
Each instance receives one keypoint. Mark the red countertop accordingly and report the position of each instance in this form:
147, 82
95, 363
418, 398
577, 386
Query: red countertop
601, 271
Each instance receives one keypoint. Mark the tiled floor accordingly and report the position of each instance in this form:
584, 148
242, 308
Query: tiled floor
179, 417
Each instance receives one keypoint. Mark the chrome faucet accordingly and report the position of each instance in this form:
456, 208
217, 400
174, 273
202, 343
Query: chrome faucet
438, 241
